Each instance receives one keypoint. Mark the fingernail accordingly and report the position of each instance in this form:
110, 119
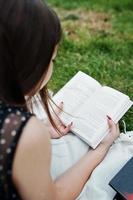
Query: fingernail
71, 123
109, 117
62, 102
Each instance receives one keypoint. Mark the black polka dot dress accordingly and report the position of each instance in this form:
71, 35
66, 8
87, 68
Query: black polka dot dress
12, 122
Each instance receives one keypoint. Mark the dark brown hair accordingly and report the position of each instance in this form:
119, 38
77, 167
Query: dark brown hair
29, 32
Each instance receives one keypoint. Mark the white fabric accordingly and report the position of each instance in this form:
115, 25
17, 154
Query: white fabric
69, 149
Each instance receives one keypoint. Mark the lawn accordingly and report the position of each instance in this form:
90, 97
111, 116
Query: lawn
98, 40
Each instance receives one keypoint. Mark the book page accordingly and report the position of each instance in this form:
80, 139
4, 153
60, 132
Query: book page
121, 103
91, 121
106, 100
75, 93
123, 110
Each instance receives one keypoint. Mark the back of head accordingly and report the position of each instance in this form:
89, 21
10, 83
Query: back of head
29, 32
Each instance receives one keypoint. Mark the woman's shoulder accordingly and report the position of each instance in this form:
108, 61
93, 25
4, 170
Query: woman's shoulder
35, 128
35, 133
32, 156
23, 126
26, 129
30, 141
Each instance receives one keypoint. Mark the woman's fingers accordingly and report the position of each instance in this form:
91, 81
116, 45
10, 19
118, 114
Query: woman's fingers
56, 113
113, 133
60, 125
112, 125
118, 129
65, 129
59, 109
114, 128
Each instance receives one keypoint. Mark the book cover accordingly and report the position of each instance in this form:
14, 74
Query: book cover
122, 182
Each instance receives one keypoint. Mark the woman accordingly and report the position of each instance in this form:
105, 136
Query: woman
29, 36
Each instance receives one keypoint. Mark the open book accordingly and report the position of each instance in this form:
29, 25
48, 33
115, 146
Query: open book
87, 103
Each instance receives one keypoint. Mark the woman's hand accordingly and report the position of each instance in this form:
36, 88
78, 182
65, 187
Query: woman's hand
113, 134
100, 152
60, 125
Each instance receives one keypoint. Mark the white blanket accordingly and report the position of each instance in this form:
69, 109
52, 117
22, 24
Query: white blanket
69, 149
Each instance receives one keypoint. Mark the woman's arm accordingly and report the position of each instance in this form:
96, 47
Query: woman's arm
71, 183
31, 169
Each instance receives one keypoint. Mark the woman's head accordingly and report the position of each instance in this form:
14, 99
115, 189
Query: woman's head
29, 34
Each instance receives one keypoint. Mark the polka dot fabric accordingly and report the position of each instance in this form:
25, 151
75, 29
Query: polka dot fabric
12, 122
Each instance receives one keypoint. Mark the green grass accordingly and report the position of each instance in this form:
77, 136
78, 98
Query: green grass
98, 39
94, 4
